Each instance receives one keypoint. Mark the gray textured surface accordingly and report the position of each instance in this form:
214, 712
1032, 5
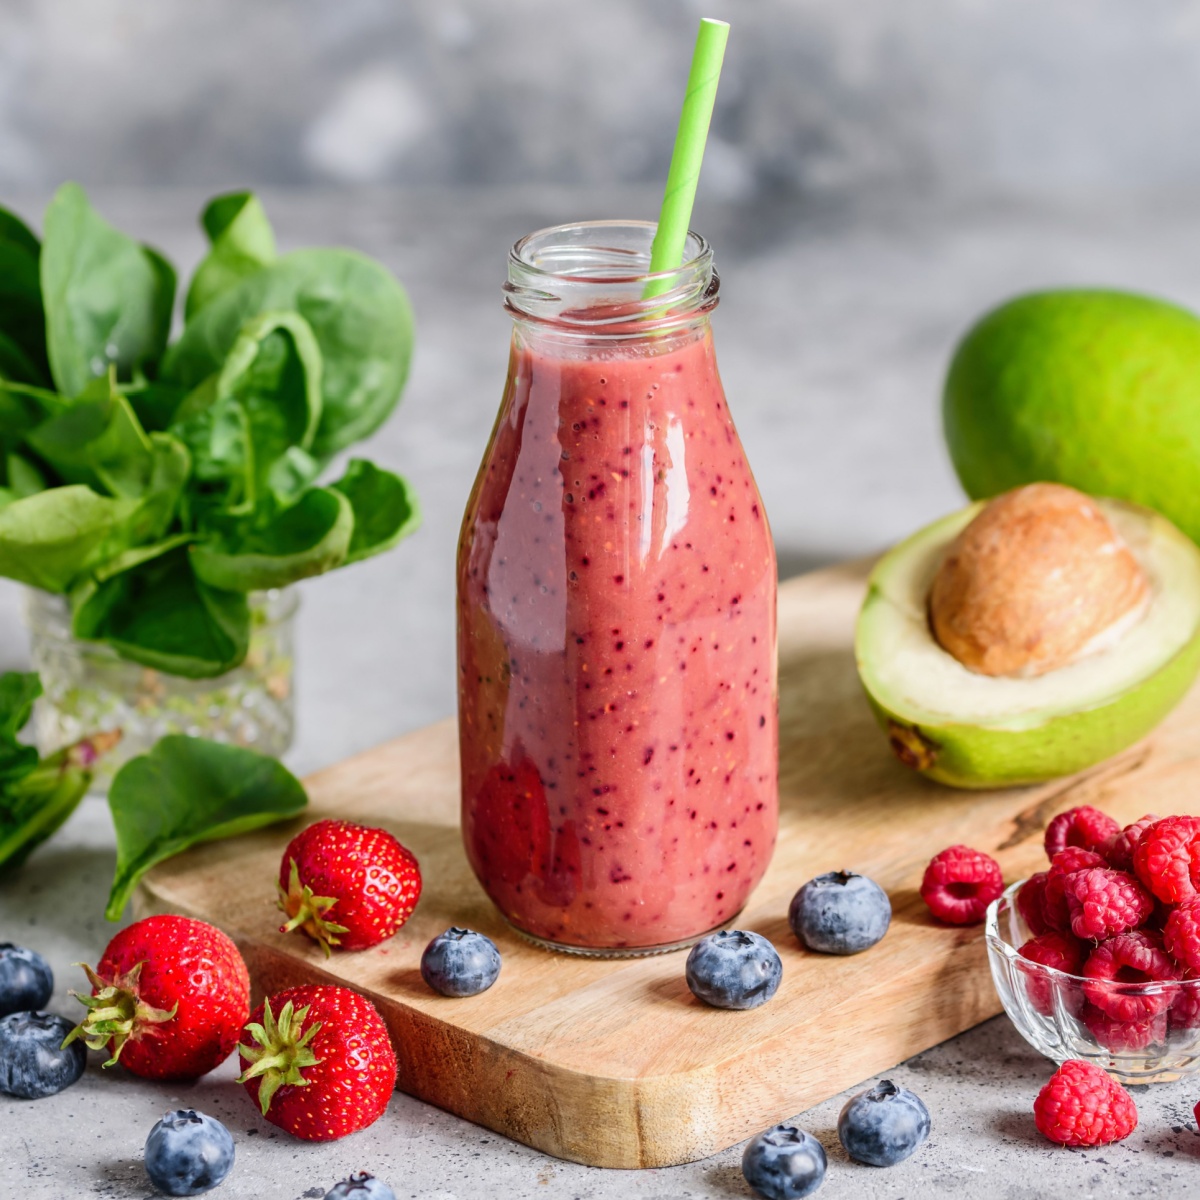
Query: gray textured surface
832, 337
961, 95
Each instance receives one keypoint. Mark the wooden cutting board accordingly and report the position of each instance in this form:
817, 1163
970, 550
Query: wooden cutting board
614, 1063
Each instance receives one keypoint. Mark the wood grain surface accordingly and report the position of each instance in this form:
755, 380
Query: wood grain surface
614, 1063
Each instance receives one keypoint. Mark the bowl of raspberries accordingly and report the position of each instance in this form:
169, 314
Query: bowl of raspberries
1098, 956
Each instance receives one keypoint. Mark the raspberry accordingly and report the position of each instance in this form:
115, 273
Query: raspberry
1058, 950
1083, 826
1167, 859
1119, 851
1181, 934
1082, 1105
1124, 1037
1185, 1011
1031, 904
1064, 863
1129, 958
1075, 858
960, 883
1103, 902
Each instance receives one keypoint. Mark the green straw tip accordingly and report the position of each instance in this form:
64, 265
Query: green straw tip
667, 251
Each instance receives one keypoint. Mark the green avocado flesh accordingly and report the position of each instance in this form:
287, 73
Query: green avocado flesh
1096, 389
979, 731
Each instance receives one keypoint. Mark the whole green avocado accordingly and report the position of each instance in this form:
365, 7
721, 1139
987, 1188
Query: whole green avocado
1096, 389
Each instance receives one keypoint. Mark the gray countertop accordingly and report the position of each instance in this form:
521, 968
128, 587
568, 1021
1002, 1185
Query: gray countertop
833, 334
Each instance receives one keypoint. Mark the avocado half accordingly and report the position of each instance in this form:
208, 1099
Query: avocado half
978, 731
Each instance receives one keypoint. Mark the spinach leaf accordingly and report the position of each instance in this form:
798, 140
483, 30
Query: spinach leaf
18, 691
359, 314
21, 477
35, 802
217, 435
291, 474
105, 296
21, 316
263, 405
51, 539
23, 407
187, 791
162, 490
274, 372
164, 305
13, 229
308, 538
134, 557
385, 508
36, 797
159, 614
96, 439
64, 439
242, 241
14, 364
122, 456
155, 404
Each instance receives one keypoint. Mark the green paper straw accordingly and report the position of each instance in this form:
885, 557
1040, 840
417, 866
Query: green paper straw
666, 253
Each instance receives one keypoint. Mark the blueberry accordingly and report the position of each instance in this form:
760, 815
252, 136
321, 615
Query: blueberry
33, 1062
784, 1163
840, 913
360, 1186
26, 980
460, 962
883, 1125
734, 969
188, 1152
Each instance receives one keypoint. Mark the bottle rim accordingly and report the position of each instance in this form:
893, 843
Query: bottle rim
593, 278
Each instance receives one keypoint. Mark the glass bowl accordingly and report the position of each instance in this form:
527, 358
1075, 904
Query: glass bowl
1138, 1032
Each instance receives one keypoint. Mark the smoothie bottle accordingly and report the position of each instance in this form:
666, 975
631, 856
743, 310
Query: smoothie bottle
616, 611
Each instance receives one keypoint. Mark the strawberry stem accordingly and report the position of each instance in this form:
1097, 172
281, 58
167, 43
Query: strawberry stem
281, 1054
116, 1013
306, 911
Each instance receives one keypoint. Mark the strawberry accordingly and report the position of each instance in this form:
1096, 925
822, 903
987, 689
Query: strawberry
169, 999
364, 875
320, 1064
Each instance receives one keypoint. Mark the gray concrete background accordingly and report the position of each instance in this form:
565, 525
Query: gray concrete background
962, 95
879, 174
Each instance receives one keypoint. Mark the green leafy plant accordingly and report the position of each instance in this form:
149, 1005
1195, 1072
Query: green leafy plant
37, 794
155, 483
189, 790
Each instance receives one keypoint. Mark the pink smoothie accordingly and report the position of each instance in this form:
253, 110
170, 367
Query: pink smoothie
617, 687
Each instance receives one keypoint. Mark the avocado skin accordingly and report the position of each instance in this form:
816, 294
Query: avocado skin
968, 756
1096, 389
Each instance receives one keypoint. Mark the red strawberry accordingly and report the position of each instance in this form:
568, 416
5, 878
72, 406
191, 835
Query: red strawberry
319, 1063
169, 999
364, 875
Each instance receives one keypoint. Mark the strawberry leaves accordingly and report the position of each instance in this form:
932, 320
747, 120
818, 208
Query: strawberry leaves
115, 1012
281, 1051
308, 912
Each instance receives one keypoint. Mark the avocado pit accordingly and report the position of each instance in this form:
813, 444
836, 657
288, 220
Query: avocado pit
1036, 581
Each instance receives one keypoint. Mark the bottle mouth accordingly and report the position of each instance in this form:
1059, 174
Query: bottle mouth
594, 278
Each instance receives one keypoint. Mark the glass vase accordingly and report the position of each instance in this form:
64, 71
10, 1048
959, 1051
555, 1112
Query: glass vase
88, 688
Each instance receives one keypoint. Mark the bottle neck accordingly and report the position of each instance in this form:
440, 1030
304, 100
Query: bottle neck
588, 286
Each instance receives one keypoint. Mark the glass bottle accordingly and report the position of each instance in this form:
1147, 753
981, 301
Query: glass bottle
616, 611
